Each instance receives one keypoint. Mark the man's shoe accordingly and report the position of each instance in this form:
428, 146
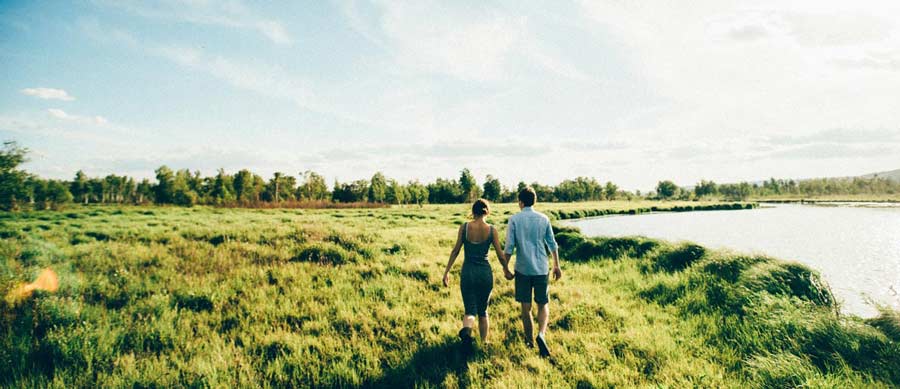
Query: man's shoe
542, 346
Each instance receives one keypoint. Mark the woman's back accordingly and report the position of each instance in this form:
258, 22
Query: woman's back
477, 241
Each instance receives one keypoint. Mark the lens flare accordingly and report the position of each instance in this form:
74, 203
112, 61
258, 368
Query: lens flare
46, 281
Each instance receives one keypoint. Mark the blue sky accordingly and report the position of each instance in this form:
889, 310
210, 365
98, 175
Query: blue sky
632, 92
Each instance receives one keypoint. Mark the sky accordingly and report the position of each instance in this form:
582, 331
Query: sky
632, 92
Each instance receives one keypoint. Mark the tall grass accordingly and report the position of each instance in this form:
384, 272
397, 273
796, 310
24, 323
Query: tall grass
353, 297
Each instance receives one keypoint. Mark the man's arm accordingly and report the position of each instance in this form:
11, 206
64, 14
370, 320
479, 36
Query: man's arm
550, 240
557, 272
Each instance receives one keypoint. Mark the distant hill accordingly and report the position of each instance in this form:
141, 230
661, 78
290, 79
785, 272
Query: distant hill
893, 175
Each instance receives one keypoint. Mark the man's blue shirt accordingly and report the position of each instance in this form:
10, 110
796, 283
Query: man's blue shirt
529, 235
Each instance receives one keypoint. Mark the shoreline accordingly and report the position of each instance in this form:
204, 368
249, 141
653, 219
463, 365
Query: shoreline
603, 212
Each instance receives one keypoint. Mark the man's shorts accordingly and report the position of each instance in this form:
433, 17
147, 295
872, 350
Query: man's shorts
525, 284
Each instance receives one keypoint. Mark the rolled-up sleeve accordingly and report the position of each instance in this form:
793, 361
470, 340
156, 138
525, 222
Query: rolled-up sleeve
550, 240
510, 237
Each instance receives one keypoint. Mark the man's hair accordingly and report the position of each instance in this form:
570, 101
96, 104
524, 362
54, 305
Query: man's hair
527, 196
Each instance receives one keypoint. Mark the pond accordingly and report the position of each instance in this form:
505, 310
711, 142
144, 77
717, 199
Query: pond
856, 247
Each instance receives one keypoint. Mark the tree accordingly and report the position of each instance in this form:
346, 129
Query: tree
274, 182
470, 190
12, 181
34, 190
666, 189
610, 190
352, 192
706, 188
396, 193
182, 193
129, 189
544, 192
377, 188
736, 191
443, 191
492, 188
417, 192
56, 195
280, 187
99, 188
144, 191
222, 188
165, 185
579, 189
79, 187
312, 187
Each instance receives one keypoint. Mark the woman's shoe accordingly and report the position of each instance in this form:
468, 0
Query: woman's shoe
465, 334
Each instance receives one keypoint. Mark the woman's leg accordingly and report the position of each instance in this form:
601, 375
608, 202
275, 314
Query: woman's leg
484, 299
469, 321
483, 327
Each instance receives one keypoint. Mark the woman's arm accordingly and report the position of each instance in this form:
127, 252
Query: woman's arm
453, 254
504, 259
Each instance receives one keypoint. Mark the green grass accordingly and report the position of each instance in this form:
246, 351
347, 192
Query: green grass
352, 297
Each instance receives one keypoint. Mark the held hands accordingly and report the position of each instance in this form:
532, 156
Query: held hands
557, 273
508, 274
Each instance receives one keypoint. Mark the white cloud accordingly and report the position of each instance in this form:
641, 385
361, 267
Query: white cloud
432, 39
231, 14
63, 115
726, 68
481, 44
274, 31
48, 94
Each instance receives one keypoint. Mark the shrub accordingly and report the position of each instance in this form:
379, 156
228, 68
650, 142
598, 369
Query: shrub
729, 268
581, 249
679, 258
663, 293
888, 321
324, 253
100, 236
790, 279
783, 370
196, 303
349, 243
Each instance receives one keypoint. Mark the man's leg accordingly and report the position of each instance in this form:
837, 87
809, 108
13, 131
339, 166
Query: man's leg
543, 317
542, 299
527, 323
523, 296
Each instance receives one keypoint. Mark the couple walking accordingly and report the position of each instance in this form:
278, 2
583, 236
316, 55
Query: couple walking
530, 237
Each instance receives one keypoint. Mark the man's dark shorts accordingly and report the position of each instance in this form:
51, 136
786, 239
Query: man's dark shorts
525, 285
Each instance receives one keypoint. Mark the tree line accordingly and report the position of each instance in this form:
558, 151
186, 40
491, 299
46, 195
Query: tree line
245, 188
774, 188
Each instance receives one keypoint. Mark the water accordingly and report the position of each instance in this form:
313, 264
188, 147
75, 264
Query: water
855, 248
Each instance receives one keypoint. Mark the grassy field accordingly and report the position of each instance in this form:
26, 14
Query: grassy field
160, 297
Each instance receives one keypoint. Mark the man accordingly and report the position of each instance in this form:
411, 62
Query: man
530, 236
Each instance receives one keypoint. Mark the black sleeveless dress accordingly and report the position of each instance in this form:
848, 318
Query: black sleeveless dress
477, 279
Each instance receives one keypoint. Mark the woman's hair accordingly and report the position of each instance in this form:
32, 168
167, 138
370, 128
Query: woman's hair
481, 207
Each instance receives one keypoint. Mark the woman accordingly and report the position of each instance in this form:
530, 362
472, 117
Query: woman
476, 280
